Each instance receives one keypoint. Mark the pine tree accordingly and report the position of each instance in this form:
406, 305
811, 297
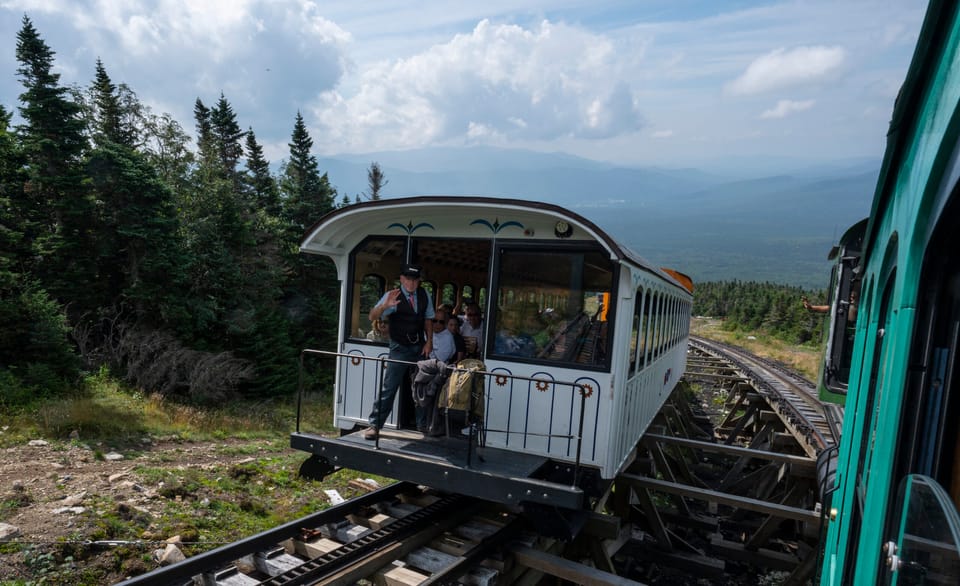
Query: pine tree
62, 213
201, 114
226, 136
12, 217
307, 194
262, 185
376, 180
108, 126
36, 357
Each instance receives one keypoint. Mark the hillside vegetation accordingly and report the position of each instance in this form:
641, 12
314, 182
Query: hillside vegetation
767, 319
124, 246
169, 258
769, 308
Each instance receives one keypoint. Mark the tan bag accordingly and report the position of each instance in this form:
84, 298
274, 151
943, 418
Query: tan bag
463, 384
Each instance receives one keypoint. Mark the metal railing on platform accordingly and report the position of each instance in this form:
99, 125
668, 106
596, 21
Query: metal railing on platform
477, 426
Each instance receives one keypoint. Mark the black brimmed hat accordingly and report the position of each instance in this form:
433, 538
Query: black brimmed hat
412, 271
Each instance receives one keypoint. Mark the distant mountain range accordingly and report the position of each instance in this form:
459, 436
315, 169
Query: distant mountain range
710, 225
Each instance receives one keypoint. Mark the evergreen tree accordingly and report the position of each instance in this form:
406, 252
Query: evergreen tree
137, 241
376, 180
201, 114
108, 124
262, 185
12, 216
36, 358
226, 135
62, 219
307, 194
141, 258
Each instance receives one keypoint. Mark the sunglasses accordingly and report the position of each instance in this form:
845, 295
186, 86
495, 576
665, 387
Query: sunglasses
439, 321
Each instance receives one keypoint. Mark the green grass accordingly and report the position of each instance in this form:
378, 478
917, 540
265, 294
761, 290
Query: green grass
205, 505
109, 412
804, 359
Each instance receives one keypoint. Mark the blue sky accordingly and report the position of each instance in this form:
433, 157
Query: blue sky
645, 82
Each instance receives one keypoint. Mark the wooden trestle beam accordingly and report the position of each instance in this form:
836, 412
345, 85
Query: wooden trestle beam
777, 510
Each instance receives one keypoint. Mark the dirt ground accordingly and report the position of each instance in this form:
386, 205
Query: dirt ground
47, 487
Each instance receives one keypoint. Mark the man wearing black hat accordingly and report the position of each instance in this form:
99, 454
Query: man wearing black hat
408, 308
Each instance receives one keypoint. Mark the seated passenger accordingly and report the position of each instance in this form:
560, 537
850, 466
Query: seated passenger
380, 331
453, 326
472, 327
854, 302
444, 346
514, 337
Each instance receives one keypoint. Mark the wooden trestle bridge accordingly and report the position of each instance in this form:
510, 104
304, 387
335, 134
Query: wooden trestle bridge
743, 486
735, 493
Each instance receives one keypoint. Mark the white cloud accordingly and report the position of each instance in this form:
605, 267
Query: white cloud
781, 69
566, 75
503, 81
786, 107
269, 58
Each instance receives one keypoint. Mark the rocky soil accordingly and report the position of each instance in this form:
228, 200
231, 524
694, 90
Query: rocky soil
48, 490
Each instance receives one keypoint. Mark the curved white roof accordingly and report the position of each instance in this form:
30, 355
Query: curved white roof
338, 232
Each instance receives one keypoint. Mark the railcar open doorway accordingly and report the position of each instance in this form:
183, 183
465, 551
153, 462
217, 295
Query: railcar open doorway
455, 272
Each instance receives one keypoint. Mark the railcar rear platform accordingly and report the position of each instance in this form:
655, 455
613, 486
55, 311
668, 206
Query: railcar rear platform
444, 463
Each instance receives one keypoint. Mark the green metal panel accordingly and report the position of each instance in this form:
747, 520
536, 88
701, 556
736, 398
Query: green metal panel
923, 136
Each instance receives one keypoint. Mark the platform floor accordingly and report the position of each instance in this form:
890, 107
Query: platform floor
451, 450
441, 462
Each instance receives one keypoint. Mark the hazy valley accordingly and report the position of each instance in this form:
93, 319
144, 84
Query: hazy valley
721, 225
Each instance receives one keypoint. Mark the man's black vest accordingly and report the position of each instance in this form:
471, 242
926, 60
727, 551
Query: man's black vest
406, 325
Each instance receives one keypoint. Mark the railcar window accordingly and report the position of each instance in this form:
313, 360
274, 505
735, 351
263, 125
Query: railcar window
636, 343
448, 294
872, 400
671, 333
376, 264
372, 287
658, 325
431, 288
573, 327
648, 330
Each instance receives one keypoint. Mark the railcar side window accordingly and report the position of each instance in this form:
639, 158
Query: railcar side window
448, 295
572, 327
651, 323
372, 287
844, 301
636, 344
431, 288
376, 264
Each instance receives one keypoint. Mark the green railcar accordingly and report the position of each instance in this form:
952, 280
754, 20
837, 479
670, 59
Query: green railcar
844, 291
893, 507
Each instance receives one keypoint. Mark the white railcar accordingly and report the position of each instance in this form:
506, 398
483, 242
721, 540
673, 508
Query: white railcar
583, 341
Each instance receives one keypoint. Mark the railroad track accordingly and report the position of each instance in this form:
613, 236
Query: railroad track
816, 426
403, 533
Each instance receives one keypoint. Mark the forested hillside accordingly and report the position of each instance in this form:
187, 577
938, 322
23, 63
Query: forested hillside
751, 306
168, 256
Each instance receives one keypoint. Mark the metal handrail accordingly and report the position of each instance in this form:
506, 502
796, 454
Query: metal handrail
583, 388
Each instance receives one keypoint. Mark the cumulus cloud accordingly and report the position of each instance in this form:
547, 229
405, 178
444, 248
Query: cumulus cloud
781, 68
786, 107
497, 82
662, 134
268, 58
